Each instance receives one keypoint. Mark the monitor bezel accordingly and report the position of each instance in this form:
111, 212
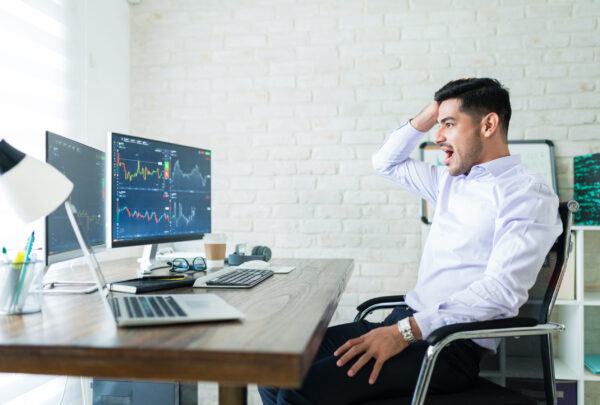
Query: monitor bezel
76, 252
110, 242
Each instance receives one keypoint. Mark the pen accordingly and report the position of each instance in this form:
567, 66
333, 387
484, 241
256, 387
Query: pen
164, 278
23, 269
7, 291
29, 245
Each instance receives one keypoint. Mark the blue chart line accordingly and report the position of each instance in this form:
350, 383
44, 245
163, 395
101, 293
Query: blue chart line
149, 216
153, 222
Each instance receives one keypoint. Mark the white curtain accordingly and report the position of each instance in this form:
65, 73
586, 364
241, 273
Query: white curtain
64, 67
41, 82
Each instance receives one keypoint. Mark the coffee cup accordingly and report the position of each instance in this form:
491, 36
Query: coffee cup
214, 250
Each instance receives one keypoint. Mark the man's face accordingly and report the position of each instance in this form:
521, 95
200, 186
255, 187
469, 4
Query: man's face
458, 137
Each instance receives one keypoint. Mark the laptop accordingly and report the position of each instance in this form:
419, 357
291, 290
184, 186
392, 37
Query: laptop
142, 310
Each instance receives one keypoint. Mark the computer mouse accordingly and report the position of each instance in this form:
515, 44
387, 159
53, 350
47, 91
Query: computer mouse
255, 264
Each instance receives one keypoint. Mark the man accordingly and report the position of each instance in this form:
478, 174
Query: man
495, 220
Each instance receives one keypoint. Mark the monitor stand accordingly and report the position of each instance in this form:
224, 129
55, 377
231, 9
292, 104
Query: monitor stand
148, 260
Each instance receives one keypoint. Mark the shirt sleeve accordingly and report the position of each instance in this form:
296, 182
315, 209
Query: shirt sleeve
527, 225
393, 162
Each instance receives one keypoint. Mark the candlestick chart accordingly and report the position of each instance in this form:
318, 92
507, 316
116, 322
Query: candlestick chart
159, 190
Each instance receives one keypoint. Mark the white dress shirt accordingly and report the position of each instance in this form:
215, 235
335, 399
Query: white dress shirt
491, 231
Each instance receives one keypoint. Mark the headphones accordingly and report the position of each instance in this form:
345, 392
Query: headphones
258, 253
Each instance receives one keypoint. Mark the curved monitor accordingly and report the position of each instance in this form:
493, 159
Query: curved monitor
157, 191
84, 166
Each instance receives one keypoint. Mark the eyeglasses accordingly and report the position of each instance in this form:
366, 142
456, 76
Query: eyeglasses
181, 265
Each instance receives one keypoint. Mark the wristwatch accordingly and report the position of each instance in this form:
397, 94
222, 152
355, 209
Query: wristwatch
406, 331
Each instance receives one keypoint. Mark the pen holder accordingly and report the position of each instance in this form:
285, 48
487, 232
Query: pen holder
21, 287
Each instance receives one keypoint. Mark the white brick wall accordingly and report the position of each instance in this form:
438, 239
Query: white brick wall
294, 96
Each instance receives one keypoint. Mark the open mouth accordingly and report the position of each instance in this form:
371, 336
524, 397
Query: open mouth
448, 157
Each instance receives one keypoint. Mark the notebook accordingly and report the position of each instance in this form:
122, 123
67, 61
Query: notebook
141, 310
152, 283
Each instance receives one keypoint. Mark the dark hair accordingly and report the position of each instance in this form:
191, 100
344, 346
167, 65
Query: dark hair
478, 97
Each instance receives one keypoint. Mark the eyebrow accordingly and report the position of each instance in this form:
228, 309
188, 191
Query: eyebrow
446, 119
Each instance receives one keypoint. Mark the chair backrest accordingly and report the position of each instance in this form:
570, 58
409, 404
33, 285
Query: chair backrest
543, 294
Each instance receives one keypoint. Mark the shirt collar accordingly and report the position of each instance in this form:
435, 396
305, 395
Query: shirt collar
497, 166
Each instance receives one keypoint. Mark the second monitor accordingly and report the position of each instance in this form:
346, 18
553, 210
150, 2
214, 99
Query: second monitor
157, 191
84, 166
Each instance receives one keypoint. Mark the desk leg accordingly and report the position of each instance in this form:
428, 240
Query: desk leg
233, 394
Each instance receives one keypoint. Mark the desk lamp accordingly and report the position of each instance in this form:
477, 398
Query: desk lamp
32, 188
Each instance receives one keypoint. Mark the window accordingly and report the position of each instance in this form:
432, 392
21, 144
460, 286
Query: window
41, 77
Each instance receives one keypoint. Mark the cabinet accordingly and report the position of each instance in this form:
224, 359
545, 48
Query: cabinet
581, 317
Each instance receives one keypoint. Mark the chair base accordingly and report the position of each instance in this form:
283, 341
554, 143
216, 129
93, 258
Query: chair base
494, 394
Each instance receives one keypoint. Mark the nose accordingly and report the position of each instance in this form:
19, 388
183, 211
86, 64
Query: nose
439, 136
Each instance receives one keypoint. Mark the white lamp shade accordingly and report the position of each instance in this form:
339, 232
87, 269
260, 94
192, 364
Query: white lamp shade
34, 188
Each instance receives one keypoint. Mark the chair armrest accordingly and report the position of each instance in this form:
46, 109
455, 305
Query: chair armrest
494, 324
390, 299
439, 338
371, 305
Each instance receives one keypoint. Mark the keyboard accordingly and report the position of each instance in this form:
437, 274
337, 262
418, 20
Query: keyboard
241, 278
149, 307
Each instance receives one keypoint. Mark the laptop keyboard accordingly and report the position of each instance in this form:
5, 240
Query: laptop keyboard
149, 307
241, 278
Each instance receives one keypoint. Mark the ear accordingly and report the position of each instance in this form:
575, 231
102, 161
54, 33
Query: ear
489, 124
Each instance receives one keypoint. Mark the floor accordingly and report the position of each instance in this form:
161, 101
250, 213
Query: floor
28, 389
25, 389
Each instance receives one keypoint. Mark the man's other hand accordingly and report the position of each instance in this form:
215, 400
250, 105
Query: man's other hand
379, 344
427, 118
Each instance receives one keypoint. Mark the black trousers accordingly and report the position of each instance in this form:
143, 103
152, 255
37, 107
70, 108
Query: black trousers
456, 369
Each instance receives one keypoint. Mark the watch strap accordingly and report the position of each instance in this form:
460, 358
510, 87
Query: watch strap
406, 330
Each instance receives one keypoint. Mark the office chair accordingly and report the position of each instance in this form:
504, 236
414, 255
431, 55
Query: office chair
542, 295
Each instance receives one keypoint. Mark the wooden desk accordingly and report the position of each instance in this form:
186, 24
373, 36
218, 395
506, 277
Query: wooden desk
286, 318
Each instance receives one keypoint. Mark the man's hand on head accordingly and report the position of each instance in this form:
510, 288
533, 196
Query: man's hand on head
427, 118
379, 344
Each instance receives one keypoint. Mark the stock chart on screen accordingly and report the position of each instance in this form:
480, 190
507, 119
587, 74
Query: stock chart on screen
160, 191
84, 166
